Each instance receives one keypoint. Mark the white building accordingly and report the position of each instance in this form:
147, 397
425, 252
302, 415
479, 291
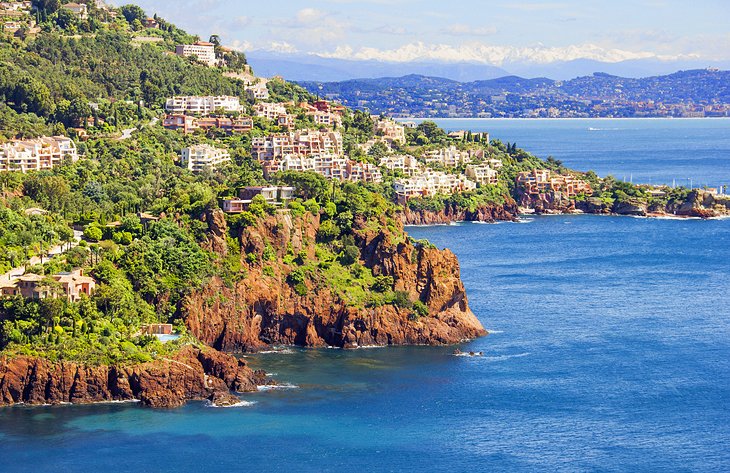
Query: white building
449, 157
257, 91
199, 105
78, 9
431, 183
299, 143
205, 52
36, 155
406, 164
200, 157
270, 111
482, 173
326, 118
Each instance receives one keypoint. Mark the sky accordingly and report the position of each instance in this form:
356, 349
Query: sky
485, 32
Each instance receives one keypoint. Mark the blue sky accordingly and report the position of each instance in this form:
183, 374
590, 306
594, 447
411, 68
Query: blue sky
490, 32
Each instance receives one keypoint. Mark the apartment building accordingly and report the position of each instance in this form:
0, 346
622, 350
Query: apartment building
301, 143
329, 119
268, 110
482, 174
541, 181
390, 130
205, 52
431, 183
203, 105
452, 157
189, 124
406, 164
37, 154
201, 157
257, 91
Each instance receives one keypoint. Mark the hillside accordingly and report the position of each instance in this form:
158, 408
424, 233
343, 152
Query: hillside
686, 93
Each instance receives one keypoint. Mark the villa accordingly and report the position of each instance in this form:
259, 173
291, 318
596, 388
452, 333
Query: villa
274, 195
203, 105
73, 285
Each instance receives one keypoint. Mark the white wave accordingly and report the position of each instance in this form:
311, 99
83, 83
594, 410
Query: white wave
370, 347
604, 129
285, 351
525, 220
271, 374
506, 357
277, 387
238, 404
495, 331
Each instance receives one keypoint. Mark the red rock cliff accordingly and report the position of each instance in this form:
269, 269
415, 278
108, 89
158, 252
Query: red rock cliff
261, 309
192, 374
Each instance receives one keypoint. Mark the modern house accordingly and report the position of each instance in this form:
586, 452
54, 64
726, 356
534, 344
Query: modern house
201, 157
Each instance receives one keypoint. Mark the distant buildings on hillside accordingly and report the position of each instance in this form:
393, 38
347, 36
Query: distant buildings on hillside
542, 181
203, 51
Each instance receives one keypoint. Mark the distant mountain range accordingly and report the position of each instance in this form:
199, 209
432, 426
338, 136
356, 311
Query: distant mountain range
701, 92
309, 67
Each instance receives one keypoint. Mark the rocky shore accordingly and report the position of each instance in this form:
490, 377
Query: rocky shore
263, 309
192, 374
487, 213
698, 204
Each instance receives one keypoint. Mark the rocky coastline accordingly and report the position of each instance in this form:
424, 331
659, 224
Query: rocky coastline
507, 212
263, 309
192, 374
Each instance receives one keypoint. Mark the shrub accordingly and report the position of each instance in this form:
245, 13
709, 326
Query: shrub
420, 309
402, 299
350, 255
383, 283
93, 232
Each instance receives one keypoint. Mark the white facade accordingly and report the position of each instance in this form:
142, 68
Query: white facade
203, 105
78, 9
205, 52
390, 130
200, 157
36, 155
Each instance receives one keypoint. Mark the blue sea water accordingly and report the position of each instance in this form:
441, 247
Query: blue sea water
685, 152
609, 351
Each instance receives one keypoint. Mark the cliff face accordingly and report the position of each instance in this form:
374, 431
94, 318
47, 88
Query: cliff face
193, 374
264, 309
486, 213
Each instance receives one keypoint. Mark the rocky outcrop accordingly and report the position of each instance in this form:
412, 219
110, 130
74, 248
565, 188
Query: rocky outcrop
192, 374
263, 309
217, 231
451, 213
703, 204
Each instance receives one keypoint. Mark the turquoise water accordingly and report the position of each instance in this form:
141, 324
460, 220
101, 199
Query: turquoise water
609, 352
651, 151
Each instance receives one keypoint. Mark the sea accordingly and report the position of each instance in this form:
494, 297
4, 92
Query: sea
609, 351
